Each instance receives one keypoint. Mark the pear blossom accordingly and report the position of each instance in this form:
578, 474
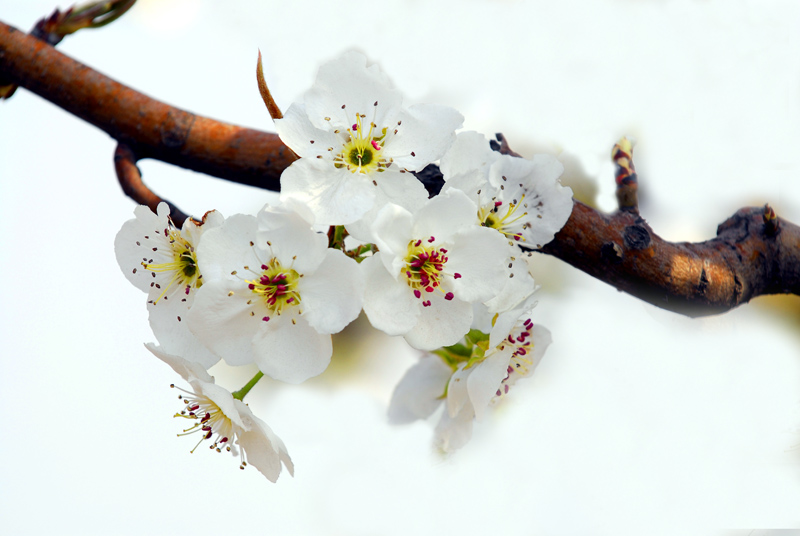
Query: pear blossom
432, 265
520, 198
357, 143
470, 377
228, 422
161, 260
273, 294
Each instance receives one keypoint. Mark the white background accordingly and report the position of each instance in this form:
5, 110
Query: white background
638, 421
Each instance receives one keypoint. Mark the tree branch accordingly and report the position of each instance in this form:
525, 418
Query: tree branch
151, 128
754, 252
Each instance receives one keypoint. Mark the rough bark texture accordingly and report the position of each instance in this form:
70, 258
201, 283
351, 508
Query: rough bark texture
753, 254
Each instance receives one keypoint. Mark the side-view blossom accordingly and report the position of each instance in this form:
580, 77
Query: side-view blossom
228, 423
273, 294
357, 143
469, 377
432, 265
522, 199
161, 260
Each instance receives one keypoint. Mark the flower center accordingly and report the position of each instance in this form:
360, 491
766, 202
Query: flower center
183, 265
504, 218
520, 339
209, 420
362, 153
424, 269
277, 286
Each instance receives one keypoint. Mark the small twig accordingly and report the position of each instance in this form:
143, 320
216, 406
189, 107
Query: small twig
130, 178
625, 176
272, 106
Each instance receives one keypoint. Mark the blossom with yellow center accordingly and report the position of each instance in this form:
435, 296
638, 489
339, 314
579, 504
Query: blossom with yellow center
357, 144
273, 293
161, 260
228, 423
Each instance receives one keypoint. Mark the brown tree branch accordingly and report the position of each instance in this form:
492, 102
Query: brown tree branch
151, 128
754, 252
130, 179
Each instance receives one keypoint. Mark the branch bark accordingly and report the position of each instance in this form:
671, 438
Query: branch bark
751, 255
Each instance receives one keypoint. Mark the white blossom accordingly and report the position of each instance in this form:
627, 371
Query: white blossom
273, 294
523, 199
467, 385
228, 423
357, 143
432, 265
161, 260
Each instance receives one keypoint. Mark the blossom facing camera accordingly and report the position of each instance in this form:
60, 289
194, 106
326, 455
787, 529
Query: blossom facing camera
273, 294
520, 198
161, 260
432, 265
356, 143
228, 423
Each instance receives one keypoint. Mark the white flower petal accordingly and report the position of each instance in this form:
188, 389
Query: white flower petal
171, 328
392, 231
427, 131
332, 295
335, 196
457, 394
389, 304
420, 391
291, 352
306, 140
227, 247
479, 254
265, 451
445, 215
346, 86
187, 370
485, 379
452, 433
470, 152
223, 322
401, 189
441, 324
290, 239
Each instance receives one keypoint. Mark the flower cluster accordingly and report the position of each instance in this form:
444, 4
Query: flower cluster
271, 289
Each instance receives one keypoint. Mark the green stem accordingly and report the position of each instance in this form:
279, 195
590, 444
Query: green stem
241, 393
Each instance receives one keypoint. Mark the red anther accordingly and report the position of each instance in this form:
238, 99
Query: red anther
354, 127
196, 406
426, 303
265, 319
522, 351
498, 203
418, 243
428, 289
498, 393
375, 145
456, 276
289, 300
208, 435
506, 388
517, 237
205, 418
449, 296
251, 286
431, 239
223, 440
509, 369
264, 267
408, 274
206, 428
417, 293
443, 250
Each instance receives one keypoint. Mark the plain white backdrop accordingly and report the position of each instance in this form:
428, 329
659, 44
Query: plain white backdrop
637, 421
